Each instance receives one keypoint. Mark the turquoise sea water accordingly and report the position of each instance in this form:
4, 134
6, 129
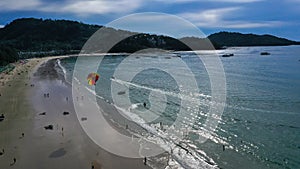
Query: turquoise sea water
260, 126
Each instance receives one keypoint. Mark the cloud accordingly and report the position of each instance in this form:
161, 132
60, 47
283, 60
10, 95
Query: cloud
237, 1
157, 23
79, 7
86, 7
208, 16
1, 26
225, 1
6, 5
249, 24
216, 18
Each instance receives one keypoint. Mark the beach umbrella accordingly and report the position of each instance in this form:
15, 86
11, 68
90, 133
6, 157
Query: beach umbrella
93, 78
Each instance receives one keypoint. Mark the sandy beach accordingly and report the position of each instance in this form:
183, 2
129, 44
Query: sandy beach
34, 96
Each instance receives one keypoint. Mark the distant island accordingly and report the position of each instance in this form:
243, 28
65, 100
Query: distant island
31, 37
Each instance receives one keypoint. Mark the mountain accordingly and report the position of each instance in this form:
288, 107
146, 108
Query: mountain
32, 37
239, 39
30, 34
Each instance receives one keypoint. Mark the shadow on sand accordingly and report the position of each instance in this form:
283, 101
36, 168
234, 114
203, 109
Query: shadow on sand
58, 153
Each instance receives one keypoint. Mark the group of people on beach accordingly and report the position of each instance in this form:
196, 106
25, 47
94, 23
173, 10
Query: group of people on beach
46, 95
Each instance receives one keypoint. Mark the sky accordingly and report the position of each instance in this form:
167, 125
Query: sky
277, 17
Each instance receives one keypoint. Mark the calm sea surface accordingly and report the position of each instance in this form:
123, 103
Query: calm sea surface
260, 126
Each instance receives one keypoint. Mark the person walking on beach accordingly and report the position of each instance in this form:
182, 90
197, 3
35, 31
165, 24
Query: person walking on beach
145, 160
161, 125
14, 161
2, 117
22, 136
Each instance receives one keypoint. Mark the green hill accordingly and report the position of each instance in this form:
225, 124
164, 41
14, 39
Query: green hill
30, 34
38, 35
7, 55
32, 37
238, 39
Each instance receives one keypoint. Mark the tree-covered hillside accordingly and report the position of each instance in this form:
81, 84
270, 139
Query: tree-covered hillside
239, 39
32, 37
7, 55
30, 34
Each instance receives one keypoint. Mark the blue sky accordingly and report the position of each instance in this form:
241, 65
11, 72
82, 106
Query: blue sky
277, 17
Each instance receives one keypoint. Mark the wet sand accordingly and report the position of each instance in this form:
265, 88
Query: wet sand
66, 146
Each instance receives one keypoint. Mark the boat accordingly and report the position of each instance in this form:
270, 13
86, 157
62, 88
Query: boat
264, 53
228, 55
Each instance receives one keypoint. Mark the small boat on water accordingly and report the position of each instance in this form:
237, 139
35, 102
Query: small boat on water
264, 53
228, 55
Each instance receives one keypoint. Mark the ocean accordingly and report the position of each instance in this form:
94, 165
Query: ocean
260, 125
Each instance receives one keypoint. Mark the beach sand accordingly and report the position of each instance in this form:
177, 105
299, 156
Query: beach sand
66, 146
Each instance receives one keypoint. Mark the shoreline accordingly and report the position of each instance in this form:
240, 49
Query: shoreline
15, 106
66, 146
